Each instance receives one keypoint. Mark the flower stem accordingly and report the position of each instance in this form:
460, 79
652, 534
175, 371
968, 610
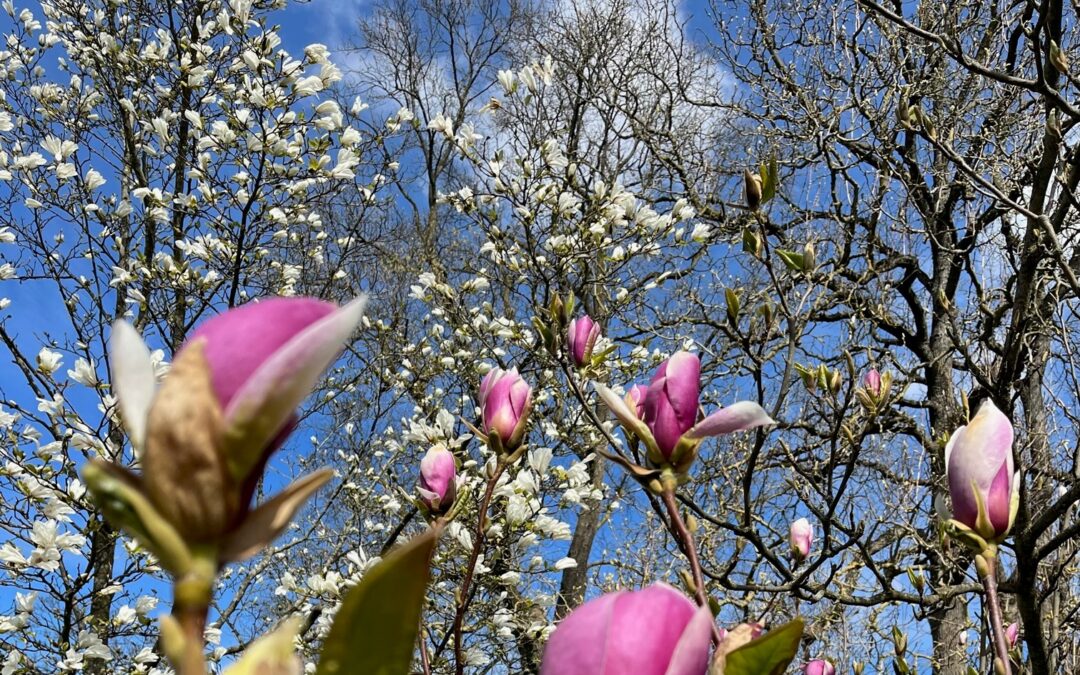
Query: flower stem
690, 549
478, 545
986, 565
192, 594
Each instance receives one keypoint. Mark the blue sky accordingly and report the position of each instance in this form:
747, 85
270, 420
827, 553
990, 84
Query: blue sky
330, 22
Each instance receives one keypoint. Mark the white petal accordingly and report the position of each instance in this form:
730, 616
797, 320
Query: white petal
616, 404
133, 382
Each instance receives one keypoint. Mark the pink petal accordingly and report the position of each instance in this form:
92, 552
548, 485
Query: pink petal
645, 629
736, 417
636, 397
872, 381
240, 340
999, 500
691, 656
579, 644
663, 421
682, 386
266, 402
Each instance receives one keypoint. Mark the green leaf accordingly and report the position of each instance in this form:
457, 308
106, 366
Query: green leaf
375, 630
733, 305
768, 180
770, 654
794, 261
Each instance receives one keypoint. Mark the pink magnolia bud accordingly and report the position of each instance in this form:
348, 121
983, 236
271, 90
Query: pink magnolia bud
505, 401
671, 402
654, 631
801, 538
979, 466
635, 399
1012, 634
228, 402
872, 382
438, 485
819, 667
581, 338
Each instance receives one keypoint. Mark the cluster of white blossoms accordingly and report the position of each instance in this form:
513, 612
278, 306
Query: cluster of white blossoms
156, 160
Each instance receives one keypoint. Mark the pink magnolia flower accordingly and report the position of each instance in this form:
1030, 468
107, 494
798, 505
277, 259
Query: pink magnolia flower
438, 479
801, 538
979, 466
1012, 634
872, 381
671, 403
654, 631
819, 667
669, 417
229, 401
581, 338
505, 401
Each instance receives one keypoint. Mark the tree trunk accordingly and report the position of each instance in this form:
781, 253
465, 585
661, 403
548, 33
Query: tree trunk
575, 580
102, 554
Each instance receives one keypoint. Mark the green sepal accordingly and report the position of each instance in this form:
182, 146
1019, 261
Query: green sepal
733, 305
684, 454
966, 536
118, 493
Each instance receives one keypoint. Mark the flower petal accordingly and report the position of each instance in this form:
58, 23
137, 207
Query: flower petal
691, 655
627, 417
682, 386
646, 628
579, 644
268, 399
736, 417
270, 519
133, 380
999, 500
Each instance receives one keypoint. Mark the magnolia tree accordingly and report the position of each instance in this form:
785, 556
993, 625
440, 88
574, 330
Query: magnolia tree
627, 397
158, 164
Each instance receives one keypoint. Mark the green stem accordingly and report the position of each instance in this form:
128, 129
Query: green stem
192, 594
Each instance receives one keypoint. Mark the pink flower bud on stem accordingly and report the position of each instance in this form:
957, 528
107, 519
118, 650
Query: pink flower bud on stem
438, 480
801, 538
204, 437
667, 422
819, 667
983, 483
505, 402
581, 337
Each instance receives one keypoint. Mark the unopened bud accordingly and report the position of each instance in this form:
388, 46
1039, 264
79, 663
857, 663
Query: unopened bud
751, 242
836, 380
899, 641
809, 257
1058, 59
752, 189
